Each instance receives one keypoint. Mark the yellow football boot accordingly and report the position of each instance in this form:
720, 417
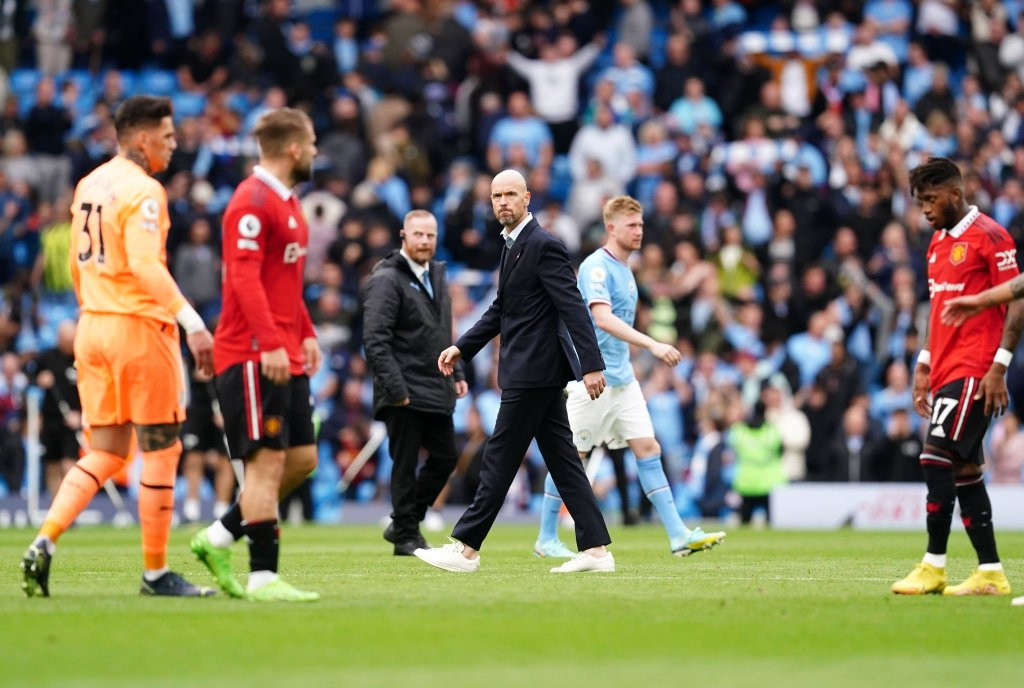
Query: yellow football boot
981, 583
925, 579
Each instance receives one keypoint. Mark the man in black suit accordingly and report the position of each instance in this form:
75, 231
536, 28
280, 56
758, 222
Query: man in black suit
408, 316
547, 339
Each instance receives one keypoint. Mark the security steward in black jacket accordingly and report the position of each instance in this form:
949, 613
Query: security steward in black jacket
407, 319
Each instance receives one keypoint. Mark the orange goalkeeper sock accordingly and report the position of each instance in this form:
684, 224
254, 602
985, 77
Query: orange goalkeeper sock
77, 489
156, 503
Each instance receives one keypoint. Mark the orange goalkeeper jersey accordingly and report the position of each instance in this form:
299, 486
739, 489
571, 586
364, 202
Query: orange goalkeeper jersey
119, 237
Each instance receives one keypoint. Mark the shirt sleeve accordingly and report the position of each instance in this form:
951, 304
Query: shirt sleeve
145, 222
1002, 261
245, 229
594, 284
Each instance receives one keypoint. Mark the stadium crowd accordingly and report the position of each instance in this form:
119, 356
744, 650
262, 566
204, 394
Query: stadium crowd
768, 141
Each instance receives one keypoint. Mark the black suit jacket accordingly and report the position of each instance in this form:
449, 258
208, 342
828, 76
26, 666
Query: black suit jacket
547, 337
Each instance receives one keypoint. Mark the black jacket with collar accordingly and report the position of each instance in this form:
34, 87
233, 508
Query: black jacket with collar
404, 332
547, 337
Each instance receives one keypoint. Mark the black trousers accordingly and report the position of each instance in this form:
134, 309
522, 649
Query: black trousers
412, 494
526, 414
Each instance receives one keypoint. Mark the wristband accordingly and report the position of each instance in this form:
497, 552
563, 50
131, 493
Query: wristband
1003, 357
189, 319
925, 358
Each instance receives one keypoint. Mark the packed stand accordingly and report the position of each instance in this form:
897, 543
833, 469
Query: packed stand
769, 143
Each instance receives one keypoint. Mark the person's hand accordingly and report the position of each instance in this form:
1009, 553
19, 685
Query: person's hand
922, 389
201, 345
447, 360
594, 382
461, 388
45, 380
956, 311
311, 354
73, 419
275, 365
404, 402
666, 353
993, 390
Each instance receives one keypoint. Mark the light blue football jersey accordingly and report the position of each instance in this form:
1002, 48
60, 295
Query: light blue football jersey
604, 279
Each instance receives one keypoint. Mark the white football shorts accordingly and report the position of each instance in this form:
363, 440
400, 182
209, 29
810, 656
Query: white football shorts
618, 415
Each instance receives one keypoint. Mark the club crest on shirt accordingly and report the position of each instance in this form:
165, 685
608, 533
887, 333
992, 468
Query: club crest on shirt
959, 253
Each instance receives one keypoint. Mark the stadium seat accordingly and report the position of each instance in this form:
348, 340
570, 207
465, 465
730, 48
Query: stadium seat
188, 104
23, 81
321, 24
157, 82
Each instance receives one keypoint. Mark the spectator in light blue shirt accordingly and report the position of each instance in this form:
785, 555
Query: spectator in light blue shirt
520, 128
893, 20
726, 13
346, 46
627, 74
917, 75
811, 350
695, 109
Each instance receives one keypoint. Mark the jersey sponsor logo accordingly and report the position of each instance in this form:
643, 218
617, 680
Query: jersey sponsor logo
1006, 260
293, 251
249, 226
958, 254
935, 287
150, 209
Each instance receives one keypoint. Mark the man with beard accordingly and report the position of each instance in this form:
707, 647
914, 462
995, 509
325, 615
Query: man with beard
264, 351
958, 368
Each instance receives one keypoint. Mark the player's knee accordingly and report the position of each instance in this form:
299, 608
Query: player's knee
302, 460
646, 448
160, 466
156, 437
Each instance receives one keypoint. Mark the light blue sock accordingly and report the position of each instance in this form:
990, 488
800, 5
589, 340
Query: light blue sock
549, 511
656, 487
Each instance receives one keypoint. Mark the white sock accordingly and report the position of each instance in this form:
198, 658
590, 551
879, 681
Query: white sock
219, 535
220, 508
47, 543
257, 579
152, 574
936, 560
998, 566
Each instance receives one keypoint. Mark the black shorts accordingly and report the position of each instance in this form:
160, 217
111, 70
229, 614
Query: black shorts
257, 413
958, 423
199, 433
59, 442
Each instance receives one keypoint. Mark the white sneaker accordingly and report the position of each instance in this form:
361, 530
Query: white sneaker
587, 562
433, 522
449, 557
1018, 601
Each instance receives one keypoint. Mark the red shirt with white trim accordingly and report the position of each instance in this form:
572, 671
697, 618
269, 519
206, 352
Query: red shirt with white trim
264, 242
968, 259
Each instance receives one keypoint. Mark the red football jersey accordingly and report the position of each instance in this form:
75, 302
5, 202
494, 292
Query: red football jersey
264, 248
973, 256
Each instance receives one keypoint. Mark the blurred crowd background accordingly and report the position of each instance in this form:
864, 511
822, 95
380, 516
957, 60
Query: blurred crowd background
768, 141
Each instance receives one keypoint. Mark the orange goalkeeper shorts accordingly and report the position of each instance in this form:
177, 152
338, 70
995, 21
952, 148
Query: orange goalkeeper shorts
129, 370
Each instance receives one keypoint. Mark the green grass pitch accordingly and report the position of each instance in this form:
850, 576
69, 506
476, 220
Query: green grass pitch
766, 609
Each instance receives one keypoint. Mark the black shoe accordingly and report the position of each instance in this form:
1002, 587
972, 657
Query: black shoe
405, 548
172, 584
35, 567
418, 539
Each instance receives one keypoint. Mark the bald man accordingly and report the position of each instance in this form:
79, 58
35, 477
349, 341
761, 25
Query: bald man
547, 339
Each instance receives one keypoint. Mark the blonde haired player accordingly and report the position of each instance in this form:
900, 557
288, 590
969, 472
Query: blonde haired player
130, 374
619, 417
